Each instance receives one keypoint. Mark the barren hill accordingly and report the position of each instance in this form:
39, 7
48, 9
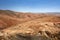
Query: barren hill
9, 18
29, 26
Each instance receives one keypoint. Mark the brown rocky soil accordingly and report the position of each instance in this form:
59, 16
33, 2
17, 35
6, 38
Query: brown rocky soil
29, 26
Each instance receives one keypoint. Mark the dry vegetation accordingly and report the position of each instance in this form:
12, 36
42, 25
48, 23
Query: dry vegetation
29, 26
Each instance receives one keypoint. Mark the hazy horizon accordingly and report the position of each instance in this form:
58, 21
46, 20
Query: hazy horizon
30, 5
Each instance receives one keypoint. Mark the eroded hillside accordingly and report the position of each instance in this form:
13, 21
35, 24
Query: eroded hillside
28, 26
9, 18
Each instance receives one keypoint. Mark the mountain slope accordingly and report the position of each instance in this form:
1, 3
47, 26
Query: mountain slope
29, 26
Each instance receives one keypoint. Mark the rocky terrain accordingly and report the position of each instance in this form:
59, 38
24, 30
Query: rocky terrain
29, 26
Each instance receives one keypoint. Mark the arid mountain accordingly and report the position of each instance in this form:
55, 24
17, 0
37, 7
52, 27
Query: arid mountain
29, 26
9, 18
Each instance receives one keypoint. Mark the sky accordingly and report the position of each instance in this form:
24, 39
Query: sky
30, 5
